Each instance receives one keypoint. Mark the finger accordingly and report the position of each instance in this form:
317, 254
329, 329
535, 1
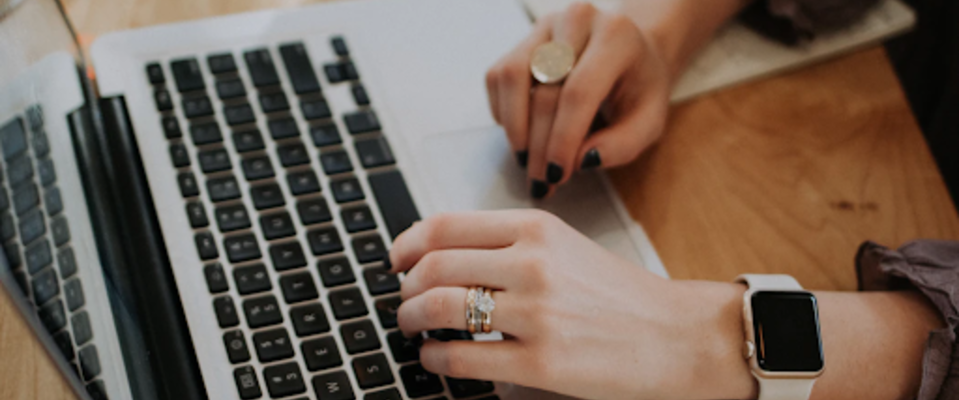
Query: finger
463, 268
589, 83
476, 229
543, 110
622, 142
445, 308
574, 25
492, 92
488, 361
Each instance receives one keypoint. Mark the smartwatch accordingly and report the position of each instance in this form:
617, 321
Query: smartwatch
783, 343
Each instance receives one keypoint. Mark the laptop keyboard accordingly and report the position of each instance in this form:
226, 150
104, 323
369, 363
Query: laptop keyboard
36, 240
282, 211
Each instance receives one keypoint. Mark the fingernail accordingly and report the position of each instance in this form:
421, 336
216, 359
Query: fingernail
554, 173
591, 160
522, 157
538, 189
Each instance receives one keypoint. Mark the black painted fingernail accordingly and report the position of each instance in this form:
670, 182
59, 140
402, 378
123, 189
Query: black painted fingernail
554, 173
591, 160
522, 157
538, 189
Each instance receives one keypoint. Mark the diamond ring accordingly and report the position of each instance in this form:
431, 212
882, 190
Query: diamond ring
473, 321
485, 305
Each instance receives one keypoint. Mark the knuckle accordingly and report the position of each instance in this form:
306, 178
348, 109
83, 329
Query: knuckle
581, 11
574, 92
619, 23
435, 307
436, 227
534, 273
429, 269
513, 73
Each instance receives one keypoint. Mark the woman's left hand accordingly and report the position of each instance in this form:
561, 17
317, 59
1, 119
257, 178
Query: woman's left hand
577, 319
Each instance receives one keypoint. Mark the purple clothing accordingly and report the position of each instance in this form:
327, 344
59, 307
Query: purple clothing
795, 21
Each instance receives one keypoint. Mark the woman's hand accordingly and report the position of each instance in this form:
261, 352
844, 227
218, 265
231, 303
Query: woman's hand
619, 74
577, 319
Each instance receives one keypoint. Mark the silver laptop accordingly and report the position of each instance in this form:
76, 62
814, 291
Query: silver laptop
208, 217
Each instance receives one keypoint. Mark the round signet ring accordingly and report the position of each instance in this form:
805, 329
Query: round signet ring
551, 62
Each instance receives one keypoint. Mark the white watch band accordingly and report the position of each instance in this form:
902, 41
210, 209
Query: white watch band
783, 388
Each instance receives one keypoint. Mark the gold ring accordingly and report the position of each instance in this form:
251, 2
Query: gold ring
551, 62
472, 319
485, 305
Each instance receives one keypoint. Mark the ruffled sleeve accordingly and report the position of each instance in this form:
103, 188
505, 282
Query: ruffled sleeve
795, 21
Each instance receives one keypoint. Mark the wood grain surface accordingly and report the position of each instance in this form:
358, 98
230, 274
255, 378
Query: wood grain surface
788, 175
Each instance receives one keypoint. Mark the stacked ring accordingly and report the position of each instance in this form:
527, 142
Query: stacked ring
472, 314
479, 310
486, 305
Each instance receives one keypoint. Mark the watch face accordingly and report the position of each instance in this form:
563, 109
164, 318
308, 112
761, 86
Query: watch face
786, 326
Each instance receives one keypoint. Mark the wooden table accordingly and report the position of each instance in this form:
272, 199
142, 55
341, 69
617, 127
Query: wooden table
788, 175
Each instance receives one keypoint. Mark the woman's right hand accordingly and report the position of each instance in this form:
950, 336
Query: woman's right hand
619, 73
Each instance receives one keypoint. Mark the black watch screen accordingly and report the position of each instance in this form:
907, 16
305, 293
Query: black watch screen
786, 326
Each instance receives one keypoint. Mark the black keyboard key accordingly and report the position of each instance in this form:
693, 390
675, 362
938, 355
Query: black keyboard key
73, 293
231, 218
25, 197
222, 189
53, 316
206, 246
249, 140
335, 162
272, 345
404, 349
420, 382
300, 68
252, 279
89, 362
359, 337
216, 280
313, 211
374, 152
155, 74
461, 388
335, 271
187, 75
324, 241
359, 95
315, 109
325, 135
60, 230
369, 249
21, 279
239, 114
261, 67
4, 200
287, 256
293, 154
246, 383
171, 128
46, 172
347, 190
19, 170
333, 386
298, 287
283, 128
256, 168
65, 343
358, 219
221, 63
67, 262
236, 349
395, 204
12, 251
179, 155
309, 320
267, 196
373, 371
321, 353
272, 102
35, 118
339, 46
8, 229
162, 99
348, 303
197, 107
225, 312
38, 256
97, 390
277, 226
284, 380
262, 311
197, 215
205, 133
350, 71
13, 138
230, 89
342, 71
214, 160
386, 309
31, 227
45, 286
303, 182
82, 330
362, 121
241, 248
188, 185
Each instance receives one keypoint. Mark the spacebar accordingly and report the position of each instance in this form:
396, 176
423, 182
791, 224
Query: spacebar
394, 200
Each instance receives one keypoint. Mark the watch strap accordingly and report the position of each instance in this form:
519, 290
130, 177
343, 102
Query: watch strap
785, 389
769, 282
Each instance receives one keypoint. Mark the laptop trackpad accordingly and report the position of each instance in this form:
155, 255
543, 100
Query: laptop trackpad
476, 170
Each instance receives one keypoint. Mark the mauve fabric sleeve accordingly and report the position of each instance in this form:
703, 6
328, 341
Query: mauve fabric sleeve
932, 268
795, 21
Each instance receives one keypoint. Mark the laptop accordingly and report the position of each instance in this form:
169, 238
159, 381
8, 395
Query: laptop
202, 209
